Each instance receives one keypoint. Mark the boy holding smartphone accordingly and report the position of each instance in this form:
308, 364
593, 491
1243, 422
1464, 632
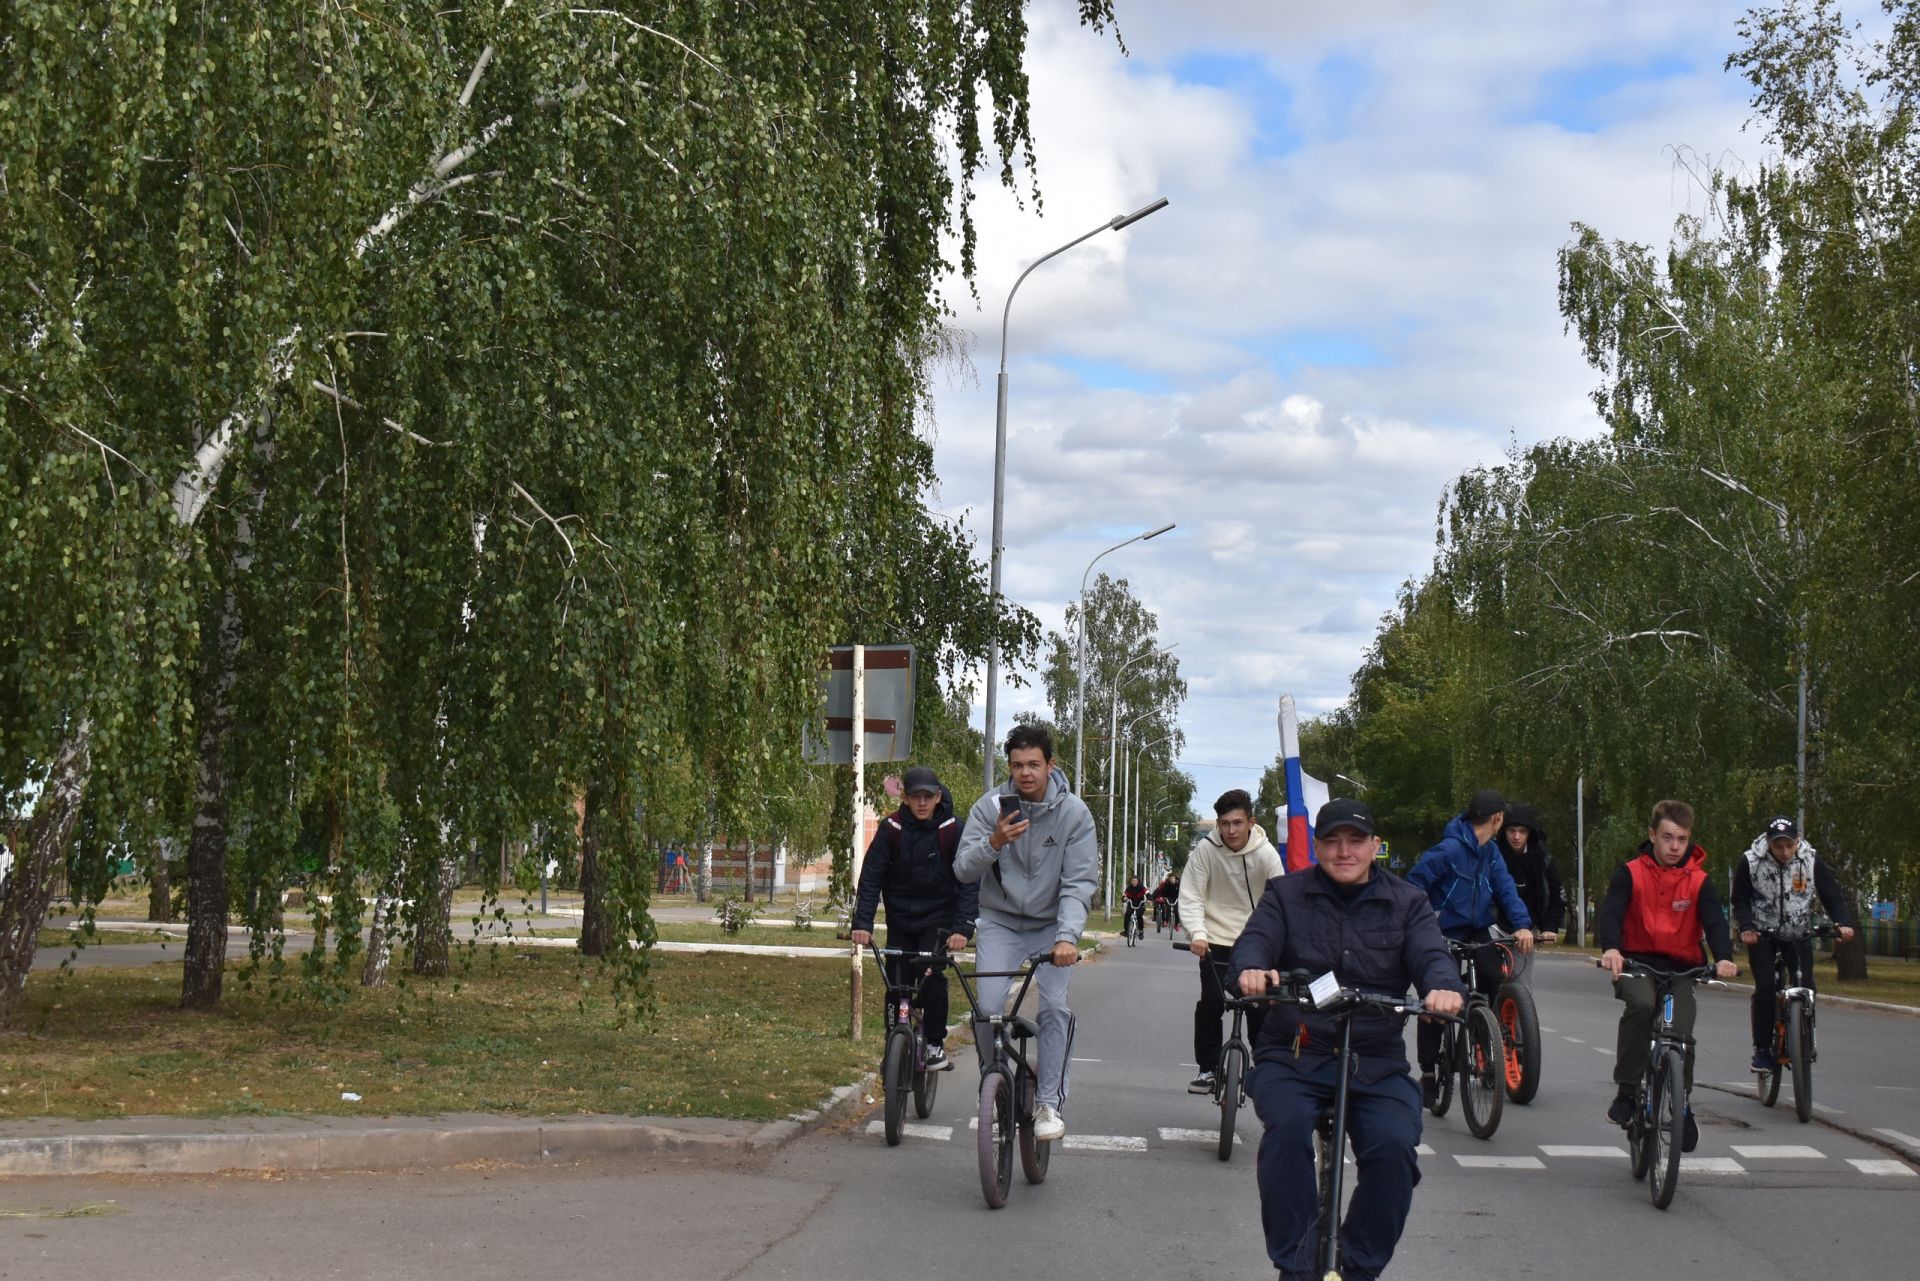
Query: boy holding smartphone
1030, 844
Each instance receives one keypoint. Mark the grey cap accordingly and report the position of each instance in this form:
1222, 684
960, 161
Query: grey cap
920, 778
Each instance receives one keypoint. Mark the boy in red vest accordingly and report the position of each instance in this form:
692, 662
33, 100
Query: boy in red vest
1656, 909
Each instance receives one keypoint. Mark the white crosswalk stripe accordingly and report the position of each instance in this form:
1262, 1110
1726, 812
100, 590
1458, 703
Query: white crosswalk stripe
1500, 1162
1173, 1134
1583, 1150
1104, 1143
914, 1130
1711, 1165
1883, 1165
1779, 1152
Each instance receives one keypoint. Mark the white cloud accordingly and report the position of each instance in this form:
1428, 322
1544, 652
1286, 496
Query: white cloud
1351, 298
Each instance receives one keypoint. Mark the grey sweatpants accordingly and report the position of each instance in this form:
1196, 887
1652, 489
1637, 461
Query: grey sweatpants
1000, 945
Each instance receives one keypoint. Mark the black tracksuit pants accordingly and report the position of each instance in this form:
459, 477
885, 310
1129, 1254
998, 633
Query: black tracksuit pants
1799, 971
933, 988
1208, 1035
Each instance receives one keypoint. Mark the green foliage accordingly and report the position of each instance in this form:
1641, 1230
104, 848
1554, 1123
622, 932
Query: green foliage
555, 378
1639, 609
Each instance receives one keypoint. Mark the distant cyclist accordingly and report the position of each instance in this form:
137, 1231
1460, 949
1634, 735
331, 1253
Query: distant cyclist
1135, 912
1166, 900
1774, 887
1226, 874
1465, 879
1657, 906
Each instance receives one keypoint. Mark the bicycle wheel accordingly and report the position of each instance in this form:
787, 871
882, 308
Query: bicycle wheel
1767, 1084
1034, 1154
925, 1086
1230, 1082
1520, 1022
1800, 1045
1483, 1072
996, 1138
1668, 1121
1443, 1072
896, 1080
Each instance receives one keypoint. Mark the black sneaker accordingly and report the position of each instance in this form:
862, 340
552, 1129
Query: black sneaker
1620, 1111
1429, 1087
1202, 1084
1691, 1139
937, 1060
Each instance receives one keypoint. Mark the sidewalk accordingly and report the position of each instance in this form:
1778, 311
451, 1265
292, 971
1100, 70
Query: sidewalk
174, 1145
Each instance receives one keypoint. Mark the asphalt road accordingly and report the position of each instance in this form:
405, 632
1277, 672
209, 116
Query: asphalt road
1129, 1194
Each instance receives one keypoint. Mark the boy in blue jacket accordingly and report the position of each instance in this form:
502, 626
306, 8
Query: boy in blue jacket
1464, 876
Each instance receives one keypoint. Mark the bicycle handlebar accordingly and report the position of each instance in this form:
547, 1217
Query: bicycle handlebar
1701, 974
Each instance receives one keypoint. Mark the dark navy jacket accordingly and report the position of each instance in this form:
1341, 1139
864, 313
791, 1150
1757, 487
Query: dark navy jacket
1385, 939
910, 865
1464, 879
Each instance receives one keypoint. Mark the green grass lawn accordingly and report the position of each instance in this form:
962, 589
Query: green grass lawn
516, 1031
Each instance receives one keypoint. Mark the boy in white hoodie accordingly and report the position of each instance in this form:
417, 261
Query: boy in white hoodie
1226, 874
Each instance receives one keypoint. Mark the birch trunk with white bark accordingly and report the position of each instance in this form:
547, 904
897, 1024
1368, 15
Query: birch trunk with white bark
29, 887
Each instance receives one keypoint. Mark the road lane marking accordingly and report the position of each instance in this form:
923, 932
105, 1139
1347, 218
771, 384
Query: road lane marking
1600, 1050
1898, 1137
1779, 1152
1174, 1134
1086, 1060
1500, 1162
915, 1130
1551, 1031
1576, 1040
1583, 1149
1424, 1150
1711, 1165
1821, 1107
1869, 1165
1104, 1143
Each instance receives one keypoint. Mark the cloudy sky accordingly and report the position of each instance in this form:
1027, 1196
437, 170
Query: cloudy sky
1350, 299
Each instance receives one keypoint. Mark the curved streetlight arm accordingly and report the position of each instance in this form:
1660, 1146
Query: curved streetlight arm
1080, 658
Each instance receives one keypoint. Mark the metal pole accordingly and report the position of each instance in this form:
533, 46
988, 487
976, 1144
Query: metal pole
1580, 853
1800, 768
1113, 738
859, 805
1080, 661
1000, 469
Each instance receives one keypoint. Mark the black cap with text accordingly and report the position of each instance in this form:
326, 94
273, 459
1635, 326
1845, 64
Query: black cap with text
1338, 814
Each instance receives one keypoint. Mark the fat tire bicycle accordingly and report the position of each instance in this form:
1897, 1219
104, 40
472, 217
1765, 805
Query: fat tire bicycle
1330, 1128
1519, 1021
1236, 1055
1010, 1082
903, 1067
1656, 1132
1793, 1049
1472, 1049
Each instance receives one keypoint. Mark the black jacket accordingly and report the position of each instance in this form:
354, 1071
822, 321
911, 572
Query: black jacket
1534, 875
910, 865
1384, 939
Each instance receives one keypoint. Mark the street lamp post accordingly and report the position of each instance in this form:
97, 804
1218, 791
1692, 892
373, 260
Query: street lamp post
1126, 774
1117, 223
1139, 756
1080, 660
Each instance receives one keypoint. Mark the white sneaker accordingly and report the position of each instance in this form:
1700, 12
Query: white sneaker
1047, 1124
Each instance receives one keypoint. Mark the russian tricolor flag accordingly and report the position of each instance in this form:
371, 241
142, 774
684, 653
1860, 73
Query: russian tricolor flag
1305, 793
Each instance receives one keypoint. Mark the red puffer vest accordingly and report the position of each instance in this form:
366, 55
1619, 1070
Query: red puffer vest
1664, 917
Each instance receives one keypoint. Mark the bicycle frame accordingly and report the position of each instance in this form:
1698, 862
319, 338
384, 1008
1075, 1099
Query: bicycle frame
903, 1000
1004, 1050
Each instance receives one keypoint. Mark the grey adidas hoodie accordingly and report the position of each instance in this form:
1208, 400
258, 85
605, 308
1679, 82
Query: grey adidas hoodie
1045, 877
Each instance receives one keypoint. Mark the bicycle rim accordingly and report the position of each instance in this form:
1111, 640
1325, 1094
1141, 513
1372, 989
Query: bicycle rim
1520, 1021
1444, 1073
896, 1077
1669, 1129
1800, 1038
1232, 1070
1639, 1137
1034, 1155
1483, 1071
996, 1140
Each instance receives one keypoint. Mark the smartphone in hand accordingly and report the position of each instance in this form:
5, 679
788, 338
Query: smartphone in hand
1009, 807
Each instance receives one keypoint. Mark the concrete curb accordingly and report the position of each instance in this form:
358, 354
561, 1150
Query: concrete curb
415, 1143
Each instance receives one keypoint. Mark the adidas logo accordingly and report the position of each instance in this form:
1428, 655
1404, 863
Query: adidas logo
1047, 842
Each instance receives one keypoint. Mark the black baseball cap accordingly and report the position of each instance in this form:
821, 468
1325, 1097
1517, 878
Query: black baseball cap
1337, 814
920, 778
1781, 826
1485, 803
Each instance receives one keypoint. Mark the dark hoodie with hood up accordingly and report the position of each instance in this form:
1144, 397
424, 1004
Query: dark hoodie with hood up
1535, 877
910, 864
